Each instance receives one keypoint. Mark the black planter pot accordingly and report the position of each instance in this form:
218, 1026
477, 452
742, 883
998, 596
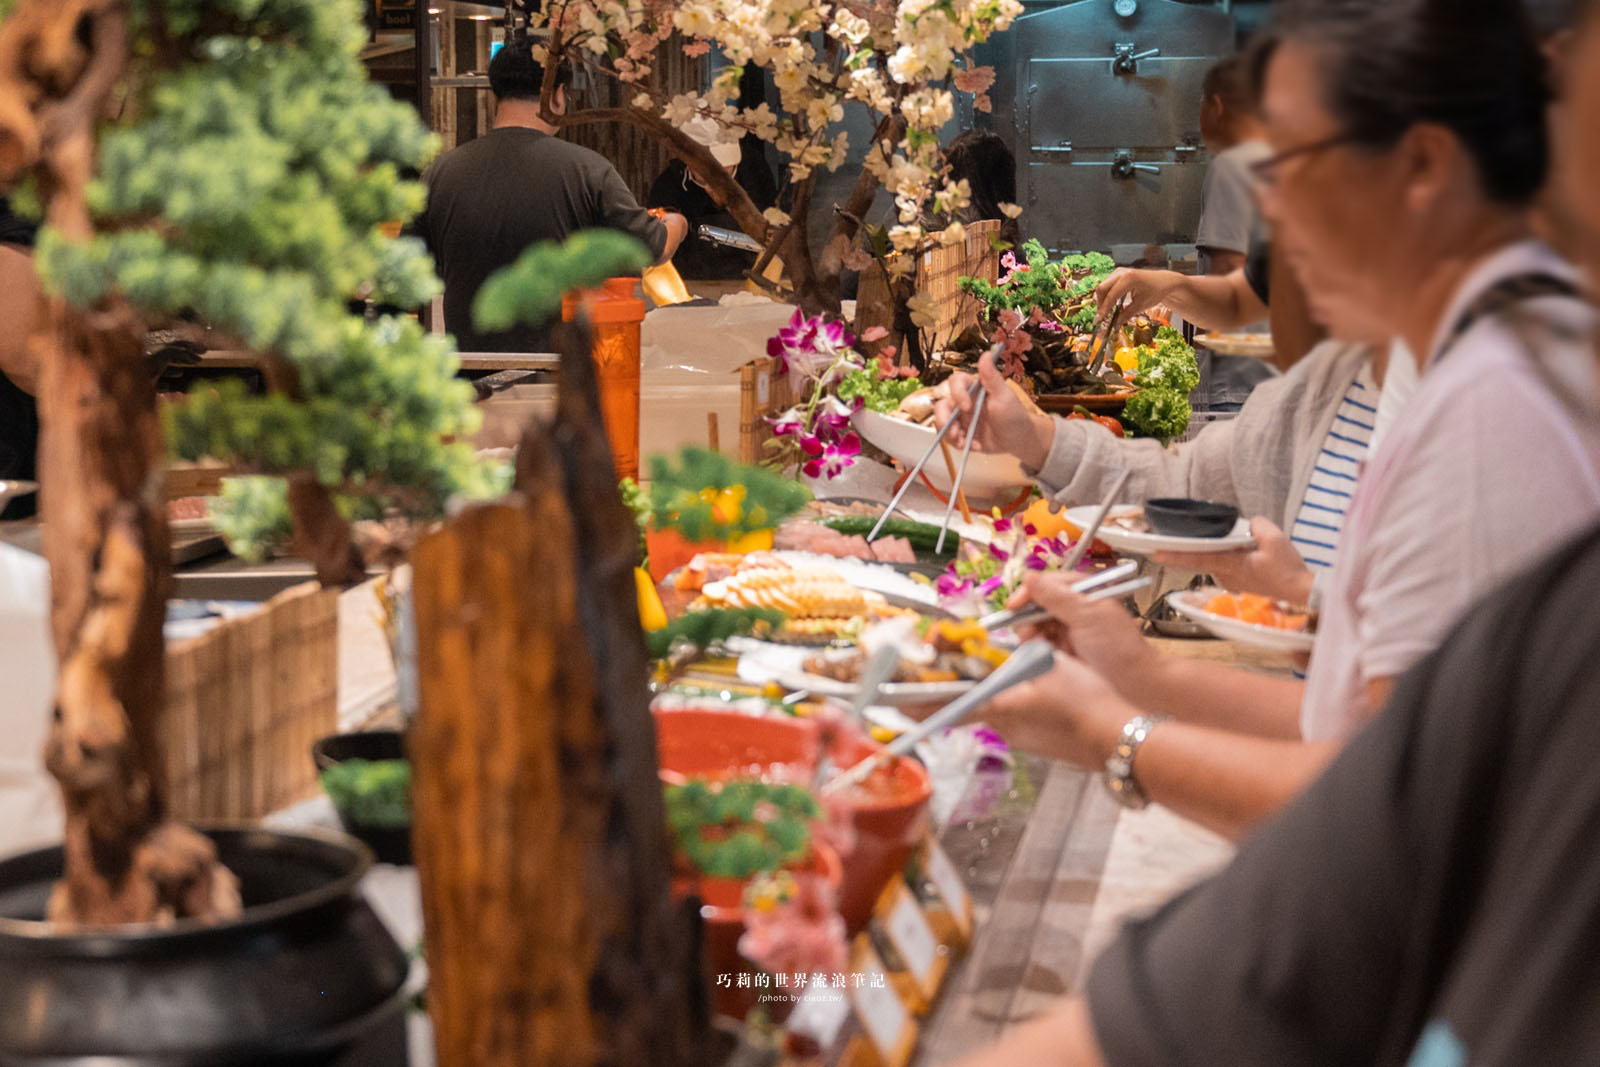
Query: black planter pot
391, 844
307, 975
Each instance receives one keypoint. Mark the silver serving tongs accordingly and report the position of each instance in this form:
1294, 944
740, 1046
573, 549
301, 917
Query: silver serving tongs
1011, 617
1028, 662
1108, 320
976, 392
1029, 614
878, 669
961, 468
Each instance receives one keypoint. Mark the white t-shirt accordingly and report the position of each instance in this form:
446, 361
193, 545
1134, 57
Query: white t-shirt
30, 810
1494, 463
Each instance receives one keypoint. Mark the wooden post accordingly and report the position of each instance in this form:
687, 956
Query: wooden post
538, 822
508, 790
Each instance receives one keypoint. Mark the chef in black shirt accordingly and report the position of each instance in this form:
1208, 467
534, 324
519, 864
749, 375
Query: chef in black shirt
677, 189
518, 184
19, 420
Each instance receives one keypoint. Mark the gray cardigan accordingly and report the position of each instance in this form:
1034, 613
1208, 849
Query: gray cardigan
1260, 461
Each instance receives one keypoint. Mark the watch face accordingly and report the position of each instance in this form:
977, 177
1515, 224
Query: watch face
1125, 8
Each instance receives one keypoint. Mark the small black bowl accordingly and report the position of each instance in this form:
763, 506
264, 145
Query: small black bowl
391, 844
1180, 517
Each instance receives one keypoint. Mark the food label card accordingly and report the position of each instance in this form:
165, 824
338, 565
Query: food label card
886, 1021
820, 1017
900, 920
941, 871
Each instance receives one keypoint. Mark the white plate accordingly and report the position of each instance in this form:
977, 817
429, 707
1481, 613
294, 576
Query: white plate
1253, 345
864, 574
989, 474
892, 694
1245, 633
1144, 544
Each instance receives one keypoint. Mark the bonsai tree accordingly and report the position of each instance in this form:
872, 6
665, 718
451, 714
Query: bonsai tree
898, 60
220, 162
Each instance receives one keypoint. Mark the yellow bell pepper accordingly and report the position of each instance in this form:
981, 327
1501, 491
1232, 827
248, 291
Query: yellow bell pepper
754, 541
652, 615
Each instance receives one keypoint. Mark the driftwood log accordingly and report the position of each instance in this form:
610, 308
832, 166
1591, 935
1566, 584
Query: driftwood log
104, 512
538, 823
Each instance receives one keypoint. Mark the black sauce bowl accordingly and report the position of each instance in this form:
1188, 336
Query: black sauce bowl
1181, 517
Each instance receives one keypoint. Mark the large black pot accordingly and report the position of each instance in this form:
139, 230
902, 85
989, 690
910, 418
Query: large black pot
306, 975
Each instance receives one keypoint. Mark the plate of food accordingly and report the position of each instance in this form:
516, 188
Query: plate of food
1128, 529
820, 605
950, 658
907, 434
1249, 619
1253, 345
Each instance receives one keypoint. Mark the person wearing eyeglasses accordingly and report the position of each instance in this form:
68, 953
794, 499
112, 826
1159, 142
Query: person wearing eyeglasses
1382, 137
1432, 900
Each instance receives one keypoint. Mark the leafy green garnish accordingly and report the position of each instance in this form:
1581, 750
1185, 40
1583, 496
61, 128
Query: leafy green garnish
702, 629
638, 502
741, 828
374, 793
1063, 290
687, 496
879, 394
1167, 374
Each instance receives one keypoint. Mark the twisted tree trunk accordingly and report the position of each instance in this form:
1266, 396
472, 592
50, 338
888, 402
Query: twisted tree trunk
538, 823
102, 504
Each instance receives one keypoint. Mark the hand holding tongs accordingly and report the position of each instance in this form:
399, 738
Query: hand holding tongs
977, 393
1101, 587
1029, 661
1074, 557
1099, 345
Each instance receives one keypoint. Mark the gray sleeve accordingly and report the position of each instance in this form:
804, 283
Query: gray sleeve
1230, 214
1085, 459
618, 210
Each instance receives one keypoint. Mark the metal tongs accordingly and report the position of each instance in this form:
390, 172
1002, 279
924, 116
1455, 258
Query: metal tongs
879, 668
1097, 586
1032, 613
1099, 345
977, 393
1028, 662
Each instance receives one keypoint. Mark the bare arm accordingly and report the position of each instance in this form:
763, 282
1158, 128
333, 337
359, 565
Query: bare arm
677, 229
19, 300
1218, 696
1213, 302
1224, 261
1062, 1038
1106, 638
1226, 781
1222, 779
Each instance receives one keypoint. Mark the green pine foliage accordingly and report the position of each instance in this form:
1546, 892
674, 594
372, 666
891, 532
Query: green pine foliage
1062, 289
246, 192
530, 290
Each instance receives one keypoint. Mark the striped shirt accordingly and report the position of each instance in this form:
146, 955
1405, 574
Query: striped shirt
1316, 527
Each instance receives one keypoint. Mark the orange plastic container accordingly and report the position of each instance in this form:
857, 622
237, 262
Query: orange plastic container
718, 744
615, 315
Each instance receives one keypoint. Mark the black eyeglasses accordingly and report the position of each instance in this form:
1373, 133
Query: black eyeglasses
1266, 170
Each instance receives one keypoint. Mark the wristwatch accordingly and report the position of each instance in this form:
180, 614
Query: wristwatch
1119, 767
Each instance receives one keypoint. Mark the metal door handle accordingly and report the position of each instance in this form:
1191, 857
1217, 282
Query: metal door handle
1126, 60
1123, 168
